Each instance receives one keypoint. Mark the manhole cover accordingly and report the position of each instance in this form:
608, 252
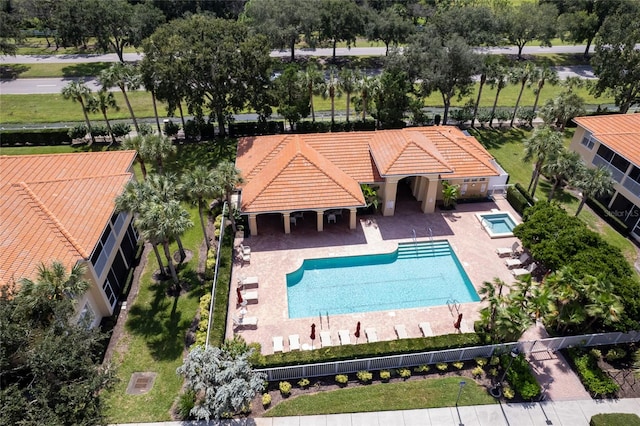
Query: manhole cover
141, 383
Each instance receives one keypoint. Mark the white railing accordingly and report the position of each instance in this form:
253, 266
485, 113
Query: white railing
616, 173
551, 344
632, 186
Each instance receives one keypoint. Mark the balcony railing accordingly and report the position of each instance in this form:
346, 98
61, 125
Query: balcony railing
632, 186
615, 172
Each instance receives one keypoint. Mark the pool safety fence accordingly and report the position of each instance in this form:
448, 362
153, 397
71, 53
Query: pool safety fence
551, 344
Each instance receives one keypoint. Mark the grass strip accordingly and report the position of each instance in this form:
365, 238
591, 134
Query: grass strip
409, 395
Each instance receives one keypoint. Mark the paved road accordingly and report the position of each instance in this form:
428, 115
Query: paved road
342, 51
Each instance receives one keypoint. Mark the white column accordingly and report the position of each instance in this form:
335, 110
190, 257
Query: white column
429, 202
253, 224
352, 218
287, 222
389, 198
320, 220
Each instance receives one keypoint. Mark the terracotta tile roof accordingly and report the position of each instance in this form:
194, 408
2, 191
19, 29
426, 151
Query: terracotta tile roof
323, 170
55, 207
620, 132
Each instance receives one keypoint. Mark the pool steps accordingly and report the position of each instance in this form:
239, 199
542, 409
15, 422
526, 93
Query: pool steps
423, 249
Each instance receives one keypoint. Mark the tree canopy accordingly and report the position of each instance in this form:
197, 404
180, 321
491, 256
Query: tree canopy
529, 21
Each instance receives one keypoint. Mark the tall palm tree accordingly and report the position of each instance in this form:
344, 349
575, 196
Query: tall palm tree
543, 143
594, 183
521, 74
488, 293
545, 74
367, 86
561, 166
564, 286
164, 222
126, 78
131, 200
497, 78
102, 102
602, 303
199, 185
157, 148
228, 178
347, 83
313, 80
331, 90
77, 91
136, 143
487, 66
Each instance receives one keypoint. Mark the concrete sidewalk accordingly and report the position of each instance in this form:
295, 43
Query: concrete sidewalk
564, 413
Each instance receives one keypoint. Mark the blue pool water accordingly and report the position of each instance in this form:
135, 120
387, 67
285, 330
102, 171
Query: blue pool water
499, 223
415, 275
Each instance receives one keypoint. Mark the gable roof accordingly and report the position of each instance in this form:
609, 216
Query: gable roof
620, 132
55, 207
325, 170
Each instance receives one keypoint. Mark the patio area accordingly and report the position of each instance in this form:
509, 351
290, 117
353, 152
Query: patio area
274, 254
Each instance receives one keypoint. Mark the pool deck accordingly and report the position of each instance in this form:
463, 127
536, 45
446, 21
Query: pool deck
274, 254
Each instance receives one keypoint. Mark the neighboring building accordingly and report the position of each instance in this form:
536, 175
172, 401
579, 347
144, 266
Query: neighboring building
322, 172
613, 141
61, 207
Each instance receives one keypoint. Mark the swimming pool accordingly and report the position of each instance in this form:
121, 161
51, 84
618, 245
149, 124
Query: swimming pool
414, 275
497, 225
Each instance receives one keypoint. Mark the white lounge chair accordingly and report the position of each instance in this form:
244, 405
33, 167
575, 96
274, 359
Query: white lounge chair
401, 332
325, 339
250, 296
508, 251
294, 342
248, 282
523, 259
518, 272
246, 258
278, 344
245, 249
345, 339
425, 327
245, 321
372, 336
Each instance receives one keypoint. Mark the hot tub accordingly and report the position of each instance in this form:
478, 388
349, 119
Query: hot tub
497, 224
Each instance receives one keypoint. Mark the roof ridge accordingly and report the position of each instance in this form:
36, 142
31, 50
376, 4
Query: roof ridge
435, 153
66, 154
79, 178
473, 153
58, 225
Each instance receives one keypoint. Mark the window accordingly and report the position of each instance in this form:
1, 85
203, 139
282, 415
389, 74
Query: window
118, 221
588, 141
108, 291
87, 316
605, 153
102, 251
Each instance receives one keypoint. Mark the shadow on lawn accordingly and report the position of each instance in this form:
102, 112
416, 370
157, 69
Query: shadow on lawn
161, 322
208, 153
495, 138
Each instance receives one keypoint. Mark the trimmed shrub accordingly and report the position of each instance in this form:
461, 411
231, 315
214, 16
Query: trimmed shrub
342, 379
405, 373
285, 388
458, 365
477, 372
201, 331
508, 392
525, 193
145, 129
616, 353
421, 369
364, 376
99, 130
593, 378
120, 129
170, 128
304, 383
517, 200
385, 375
266, 400
210, 264
481, 362
35, 137
442, 366
76, 132
520, 377
191, 130
186, 401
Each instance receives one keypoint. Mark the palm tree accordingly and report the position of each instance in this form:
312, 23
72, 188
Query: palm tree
367, 87
543, 143
228, 179
131, 200
560, 166
53, 284
199, 185
602, 303
489, 63
126, 78
102, 102
488, 293
157, 148
594, 183
331, 90
136, 143
497, 78
564, 286
313, 81
546, 74
77, 91
521, 74
347, 83
164, 222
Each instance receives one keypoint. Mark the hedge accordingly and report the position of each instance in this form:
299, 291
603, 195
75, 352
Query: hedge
254, 128
596, 381
615, 419
368, 350
34, 137
517, 199
520, 376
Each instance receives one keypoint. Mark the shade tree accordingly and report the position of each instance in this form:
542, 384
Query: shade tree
529, 21
290, 91
340, 20
388, 26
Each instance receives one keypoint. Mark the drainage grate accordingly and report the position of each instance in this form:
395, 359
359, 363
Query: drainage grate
141, 383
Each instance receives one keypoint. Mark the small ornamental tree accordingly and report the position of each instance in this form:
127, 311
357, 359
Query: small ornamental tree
223, 380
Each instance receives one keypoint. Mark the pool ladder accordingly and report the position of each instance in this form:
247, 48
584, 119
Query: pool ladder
453, 304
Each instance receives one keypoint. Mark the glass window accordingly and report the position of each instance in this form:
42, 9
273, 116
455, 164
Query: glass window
620, 163
118, 222
635, 174
588, 141
109, 292
87, 316
605, 153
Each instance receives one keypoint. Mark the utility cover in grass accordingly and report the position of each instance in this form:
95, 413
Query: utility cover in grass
141, 383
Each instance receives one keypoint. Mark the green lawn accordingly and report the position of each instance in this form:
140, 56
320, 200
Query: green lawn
410, 395
38, 46
55, 69
507, 147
